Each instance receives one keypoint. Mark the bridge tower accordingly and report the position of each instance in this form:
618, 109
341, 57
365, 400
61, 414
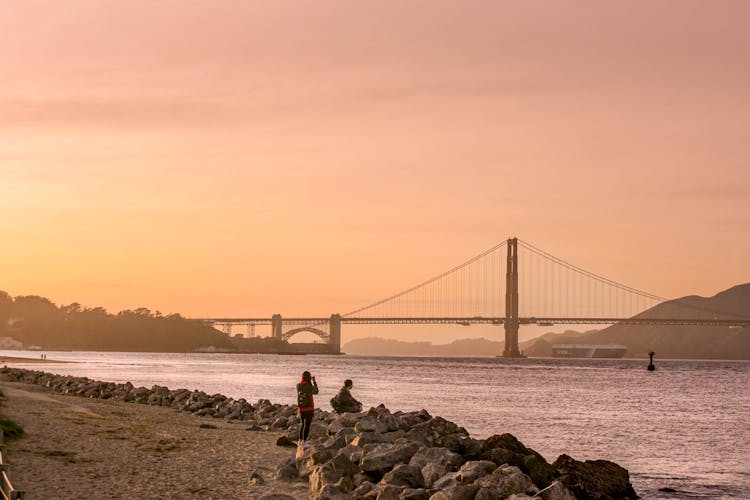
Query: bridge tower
334, 334
276, 328
511, 302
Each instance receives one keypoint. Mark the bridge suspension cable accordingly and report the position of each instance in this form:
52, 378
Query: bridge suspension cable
450, 292
549, 287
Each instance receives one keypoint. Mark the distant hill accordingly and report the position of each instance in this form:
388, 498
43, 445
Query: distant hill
390, 347
690, 342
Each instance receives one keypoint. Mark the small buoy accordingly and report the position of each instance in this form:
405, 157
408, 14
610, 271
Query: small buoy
651, 366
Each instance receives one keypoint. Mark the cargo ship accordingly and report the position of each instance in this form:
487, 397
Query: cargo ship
588, 351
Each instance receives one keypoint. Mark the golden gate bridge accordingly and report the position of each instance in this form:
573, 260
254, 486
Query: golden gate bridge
511, 284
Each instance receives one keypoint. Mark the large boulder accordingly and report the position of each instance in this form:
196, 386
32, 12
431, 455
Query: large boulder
366, 438
506, 449
594, 479
404, 475
556, 491
437, 432
473, 470
508, 442
329, 492
470, 448
435, 455
370, 424
456, 492
392, 422
382, 457
320, 476
364, 490
448, 480
431, 473
351, 452
504, 481
413, 418
287, 470
342, 465
389, 492
414, 494
308, 456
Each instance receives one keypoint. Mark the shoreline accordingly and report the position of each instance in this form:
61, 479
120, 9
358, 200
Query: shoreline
352, 455
19, 359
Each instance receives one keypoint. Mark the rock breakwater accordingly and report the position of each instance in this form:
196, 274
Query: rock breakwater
377, 454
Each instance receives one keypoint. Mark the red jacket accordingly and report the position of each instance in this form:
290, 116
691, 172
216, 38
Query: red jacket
305, 391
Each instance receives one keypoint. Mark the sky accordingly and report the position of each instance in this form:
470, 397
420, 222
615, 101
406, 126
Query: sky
232, 158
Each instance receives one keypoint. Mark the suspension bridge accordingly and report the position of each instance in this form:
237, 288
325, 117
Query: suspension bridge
511, 284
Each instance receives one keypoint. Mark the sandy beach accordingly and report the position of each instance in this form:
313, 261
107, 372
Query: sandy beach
90, 448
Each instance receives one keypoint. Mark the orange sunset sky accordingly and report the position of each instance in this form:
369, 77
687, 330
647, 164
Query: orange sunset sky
232, 158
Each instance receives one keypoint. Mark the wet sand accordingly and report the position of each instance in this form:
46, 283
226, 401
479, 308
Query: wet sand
90, 448
15, 359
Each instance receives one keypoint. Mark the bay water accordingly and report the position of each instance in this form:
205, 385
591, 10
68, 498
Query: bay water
684, 427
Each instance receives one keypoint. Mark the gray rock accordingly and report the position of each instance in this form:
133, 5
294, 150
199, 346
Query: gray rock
470, 448
318, 430
280, 423
403, 475
556, 491
309, 455
473, 470
363, 489
366, 438
389, 492
392, 437
392, 422
457, 492
369, 424
380, 457
432, 472
350, 419
256, 478
345, 484
285, 441
438, 456
336, 442
594, 478
353, 453
287, 470
342, 465
329, 492
335, 427
320, 476
505, 481
449, 479
414, 494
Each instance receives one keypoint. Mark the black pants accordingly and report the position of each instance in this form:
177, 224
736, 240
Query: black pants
306, 419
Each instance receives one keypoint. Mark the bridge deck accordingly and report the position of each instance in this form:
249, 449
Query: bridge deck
466, 321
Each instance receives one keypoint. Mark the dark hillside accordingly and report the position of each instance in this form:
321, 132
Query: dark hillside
692, 342
36, 321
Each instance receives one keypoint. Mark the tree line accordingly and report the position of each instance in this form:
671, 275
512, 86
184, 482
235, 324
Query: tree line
37, 321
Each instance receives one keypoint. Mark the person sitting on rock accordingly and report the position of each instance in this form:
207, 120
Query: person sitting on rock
344, 402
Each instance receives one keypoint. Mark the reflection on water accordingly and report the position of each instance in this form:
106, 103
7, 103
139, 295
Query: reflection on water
684, 426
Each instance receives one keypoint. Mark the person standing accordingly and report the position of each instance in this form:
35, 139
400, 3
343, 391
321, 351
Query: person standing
306, 404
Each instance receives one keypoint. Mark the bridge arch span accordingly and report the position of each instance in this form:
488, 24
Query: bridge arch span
320, 333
